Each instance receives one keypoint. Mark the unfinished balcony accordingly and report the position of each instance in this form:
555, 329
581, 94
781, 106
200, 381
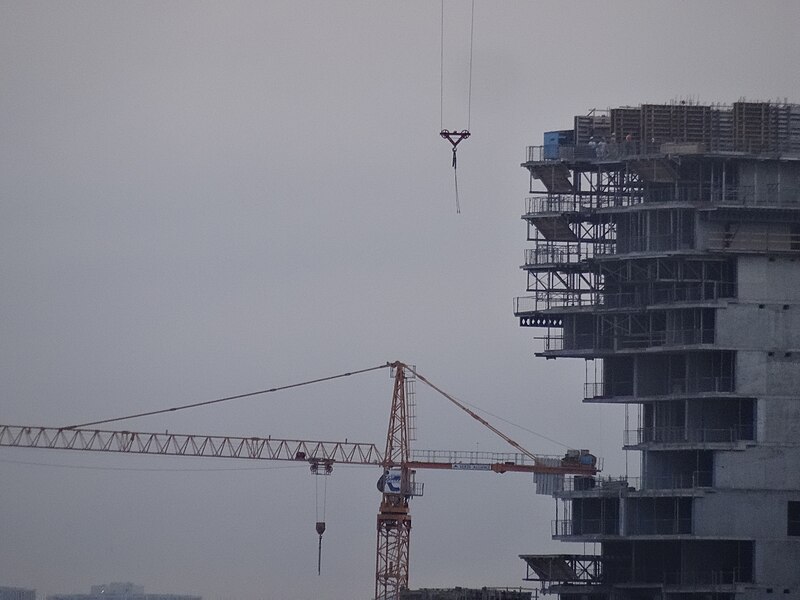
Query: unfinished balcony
592, 518
604, 334
689, 566
662, 281
664, 376
713, 423
684, 437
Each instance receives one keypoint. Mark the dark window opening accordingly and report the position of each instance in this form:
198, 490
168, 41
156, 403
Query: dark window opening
793, 518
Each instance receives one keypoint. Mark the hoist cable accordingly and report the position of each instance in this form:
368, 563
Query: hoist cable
471, 38
455, 179
441, 66
441, 73
225, 399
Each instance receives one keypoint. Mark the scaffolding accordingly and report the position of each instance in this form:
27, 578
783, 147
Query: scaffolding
640, 220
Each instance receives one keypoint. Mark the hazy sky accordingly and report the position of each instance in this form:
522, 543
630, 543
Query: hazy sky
199, 199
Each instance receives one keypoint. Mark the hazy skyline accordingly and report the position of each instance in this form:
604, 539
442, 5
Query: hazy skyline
201, 199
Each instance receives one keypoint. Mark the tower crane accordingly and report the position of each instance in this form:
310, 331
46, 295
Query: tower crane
398, 463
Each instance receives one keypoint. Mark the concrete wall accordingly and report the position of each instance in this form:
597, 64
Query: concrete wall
760, 467
760, 373
744, 514
765, 279
778, 420
778, 562
758, 326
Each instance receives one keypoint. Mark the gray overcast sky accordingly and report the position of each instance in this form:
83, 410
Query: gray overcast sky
199, 199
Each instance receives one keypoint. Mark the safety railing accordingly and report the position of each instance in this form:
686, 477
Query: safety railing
580, 527
543, 300
695, 385
626, 341
603, 389
474, 457
555, 203
672, 387
595, 150
573, 203
703, 435
770, 194
677, 481
669, 294
616, 485
578, 341
553, 253
612, 149
691, 578
762, 241
662, 526
667, 242
670, 337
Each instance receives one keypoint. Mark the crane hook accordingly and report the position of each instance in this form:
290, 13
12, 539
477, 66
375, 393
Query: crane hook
320, 531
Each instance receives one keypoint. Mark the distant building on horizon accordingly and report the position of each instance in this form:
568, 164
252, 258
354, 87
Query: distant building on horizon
115, 591
13, 593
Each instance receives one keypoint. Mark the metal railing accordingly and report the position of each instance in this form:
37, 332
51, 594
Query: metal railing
600, 150
663, 526
675, 292
677, 481
602, 389
702, 435
762, 241
695, 385
573, 203
690, 578
616, 485
542, 300
666, 242
650, 339
670, 337
555, 253
769, 194
575, 527
580, 341
610, 526
613, 150
474, 457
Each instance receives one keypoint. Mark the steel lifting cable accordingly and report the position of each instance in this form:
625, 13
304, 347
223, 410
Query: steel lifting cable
455, 137
320, 524
227, 398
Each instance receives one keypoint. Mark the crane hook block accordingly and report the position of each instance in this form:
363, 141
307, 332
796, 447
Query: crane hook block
455, 138
320, 531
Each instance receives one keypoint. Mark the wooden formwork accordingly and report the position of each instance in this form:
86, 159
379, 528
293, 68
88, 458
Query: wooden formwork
695, 123
766, 127
625, 121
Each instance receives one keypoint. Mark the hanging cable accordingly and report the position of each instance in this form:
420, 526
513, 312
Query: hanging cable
441, 73
456, 137
322, 469
471, 38
227, 398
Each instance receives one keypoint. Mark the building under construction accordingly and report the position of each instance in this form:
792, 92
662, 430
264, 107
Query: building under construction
666, 254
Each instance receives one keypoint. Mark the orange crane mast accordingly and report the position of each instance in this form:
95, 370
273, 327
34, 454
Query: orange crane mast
398, 462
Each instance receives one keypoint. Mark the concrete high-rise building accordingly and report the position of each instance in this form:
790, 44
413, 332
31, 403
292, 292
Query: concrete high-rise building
666, 253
